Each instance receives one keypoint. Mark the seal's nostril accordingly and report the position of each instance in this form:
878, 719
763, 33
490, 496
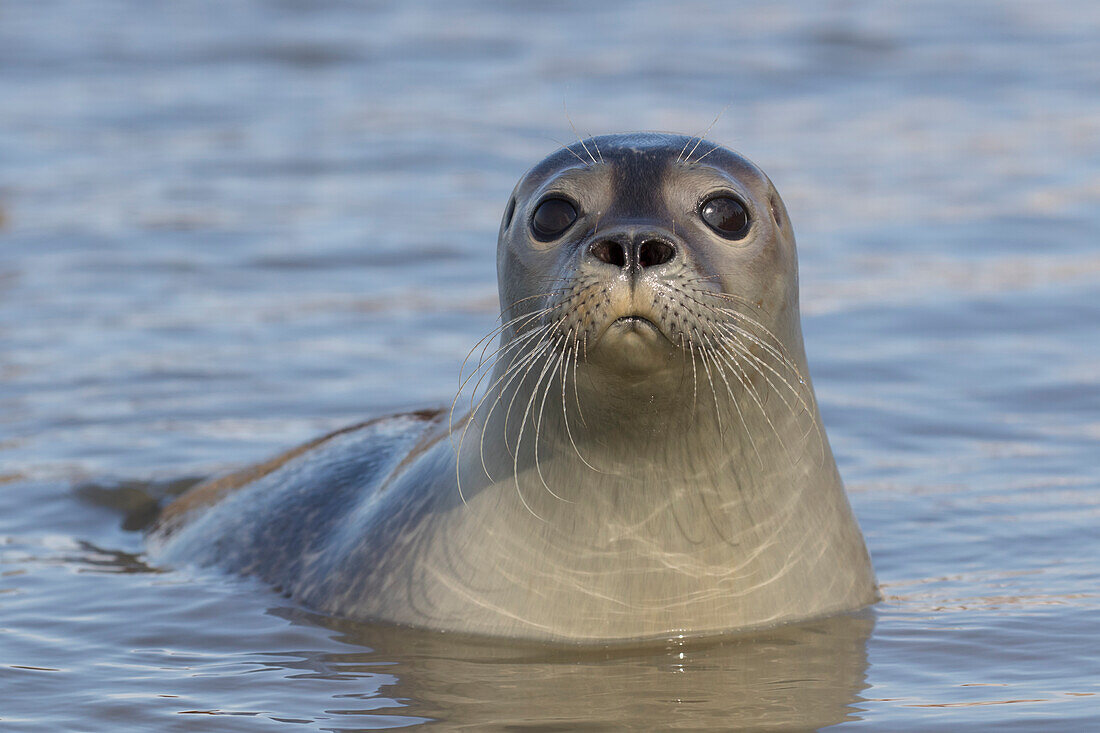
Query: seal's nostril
610, 252
654, 252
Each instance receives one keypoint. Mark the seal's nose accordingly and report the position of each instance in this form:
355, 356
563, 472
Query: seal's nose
633, 252
653, 252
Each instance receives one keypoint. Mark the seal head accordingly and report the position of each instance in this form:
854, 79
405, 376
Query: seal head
658, 266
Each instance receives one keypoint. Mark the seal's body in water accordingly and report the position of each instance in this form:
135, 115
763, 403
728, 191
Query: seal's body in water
642, 455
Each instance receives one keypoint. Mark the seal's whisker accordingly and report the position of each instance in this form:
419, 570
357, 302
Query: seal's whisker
746, 382
487, 358
514, 366
458, 474
484, 342
723, 316
514, 370
691, 152
516, 345
703, 135
576, 389
520, 370
733, 318
564, 412
581, 141
734, 329
700, 158
545, 294
542, 347
519, 335
769, 349
722, 295
735, 341
487, 338
714, 392
548, 370
473, 415
694, 376
451, 415
687, 350
777, 344
738, 350
806, 409
570, 150
596, 145
542, 407
519, 491
548, 350
740, 413
684, 149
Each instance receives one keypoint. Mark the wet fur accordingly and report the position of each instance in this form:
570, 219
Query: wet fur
593, 480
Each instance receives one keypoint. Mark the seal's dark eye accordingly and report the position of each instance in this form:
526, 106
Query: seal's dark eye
552, 217
726, 216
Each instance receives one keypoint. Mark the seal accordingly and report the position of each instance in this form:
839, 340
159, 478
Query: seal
636, 454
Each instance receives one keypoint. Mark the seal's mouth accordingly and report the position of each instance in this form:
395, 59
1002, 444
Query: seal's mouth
638, 325
634, 322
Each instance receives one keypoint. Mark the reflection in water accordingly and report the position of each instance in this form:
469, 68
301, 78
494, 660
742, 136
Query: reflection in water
369, 676
795, 677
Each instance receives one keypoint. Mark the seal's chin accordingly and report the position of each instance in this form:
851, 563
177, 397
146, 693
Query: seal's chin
633, 343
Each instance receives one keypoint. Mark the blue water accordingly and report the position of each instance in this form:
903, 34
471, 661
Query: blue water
228, 227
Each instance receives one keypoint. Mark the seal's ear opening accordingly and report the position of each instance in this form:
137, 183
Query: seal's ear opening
509, 212
777, 209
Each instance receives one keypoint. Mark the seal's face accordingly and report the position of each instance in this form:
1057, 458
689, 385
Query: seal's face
639, 251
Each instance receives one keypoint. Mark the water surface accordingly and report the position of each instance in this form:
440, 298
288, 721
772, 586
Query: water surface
228, 227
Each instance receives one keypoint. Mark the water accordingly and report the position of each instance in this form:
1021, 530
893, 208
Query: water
228, 227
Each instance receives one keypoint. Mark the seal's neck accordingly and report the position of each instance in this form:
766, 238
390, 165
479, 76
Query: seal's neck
632, 508
729, 434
